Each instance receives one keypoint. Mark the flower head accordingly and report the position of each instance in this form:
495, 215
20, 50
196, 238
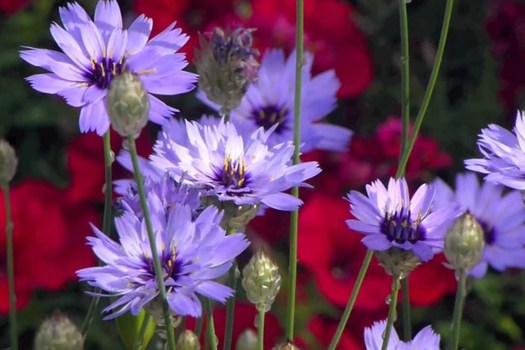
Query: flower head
426, 339
503, 154
94, 52
193, 251
232, 166
501, 216
390, 218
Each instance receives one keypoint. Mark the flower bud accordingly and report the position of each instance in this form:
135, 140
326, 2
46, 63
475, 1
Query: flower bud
127, 104
285, 346
247, 340
58, 332
8, 162
261, 280
226, 66
397, 262
464, 243
236, 216
188, 341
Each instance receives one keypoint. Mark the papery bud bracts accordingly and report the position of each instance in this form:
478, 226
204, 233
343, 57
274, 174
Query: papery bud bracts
285, 346
188, 341
464, 243
247, 340
261, 280
397, 262
8, 162
58, 332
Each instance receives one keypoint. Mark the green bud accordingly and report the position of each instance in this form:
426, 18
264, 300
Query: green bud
261, 280
127, 104
129, 328
188, 341
236, 217
58, 332
464, 243
247, 340
8, 162
397, 262
285, 346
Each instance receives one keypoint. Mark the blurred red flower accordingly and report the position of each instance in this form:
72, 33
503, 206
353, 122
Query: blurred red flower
13, 6
322, 330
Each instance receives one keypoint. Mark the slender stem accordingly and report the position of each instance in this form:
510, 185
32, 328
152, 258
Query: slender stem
210, 325
407, 326
405, 73
226, 116
9, 227
351, 301
430, 88
461, 294
230, 308
106, 223
151, 237
391, 311
198, 327
260, 329
292, 268
139, 342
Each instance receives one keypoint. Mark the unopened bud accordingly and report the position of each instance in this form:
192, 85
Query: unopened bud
261, 280
236, 216
226, 65
58, 333
247, 340
8, 162
285, 346
127, 104
464, 243
397, 262
188, 341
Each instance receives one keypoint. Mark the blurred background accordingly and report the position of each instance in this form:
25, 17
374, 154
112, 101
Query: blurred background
57, 190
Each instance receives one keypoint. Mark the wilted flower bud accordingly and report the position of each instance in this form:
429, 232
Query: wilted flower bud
127, 104
188, 341
285, 346
58, 333
261, 281
226, 66
8, 162
464, 243
247, 340
398, 262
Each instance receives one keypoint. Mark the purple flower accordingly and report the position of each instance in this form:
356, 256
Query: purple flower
503, 154
389, 218
426, 339
502, 218
270, 101
95, 52
231, 166
193, 251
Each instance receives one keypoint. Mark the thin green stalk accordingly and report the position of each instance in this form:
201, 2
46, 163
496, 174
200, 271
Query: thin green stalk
106, 223
198, 327
405, 73
430, 88
210, 326
226, 116
407, 325
292, 268
230, 308
351, 301
260, 329
9, 227
151, 237
461, 294
143, 327
391, 312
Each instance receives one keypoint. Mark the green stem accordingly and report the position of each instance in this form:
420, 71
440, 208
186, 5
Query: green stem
429, 90
151, 237
405, 73
226, 116
260, 329
210, 326
351, 301
407, 326
292, 269
230, 308
198, 327
106, 223
9, 227
391, 311
139, 342
461, 294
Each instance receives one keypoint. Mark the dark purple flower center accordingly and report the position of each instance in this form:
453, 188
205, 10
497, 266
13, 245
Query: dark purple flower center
102, 72
233, 173
269, 115
400, 228
488, 232
171, 266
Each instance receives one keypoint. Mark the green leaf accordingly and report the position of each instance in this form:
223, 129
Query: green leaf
129, 328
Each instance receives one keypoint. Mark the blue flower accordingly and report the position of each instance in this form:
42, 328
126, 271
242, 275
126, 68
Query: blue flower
502, 218
426, 339
95, 52
232, 166
503, 154
390, 218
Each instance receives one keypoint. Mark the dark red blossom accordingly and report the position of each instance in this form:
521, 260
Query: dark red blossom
13, 6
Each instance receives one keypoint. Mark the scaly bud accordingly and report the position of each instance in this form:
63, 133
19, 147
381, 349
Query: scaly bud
397, 262
188, 341
8, 162
464, 243
127, 104
226, 66
285, 346
236, 216
247, 340
58, 333
261, 280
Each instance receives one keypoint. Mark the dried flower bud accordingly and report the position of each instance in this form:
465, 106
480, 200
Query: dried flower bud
8, 162
236, 217
58, 332
261, 281
464, 243
247, 340
285, 346
127, 104
188, 341
226, 66
397, 262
